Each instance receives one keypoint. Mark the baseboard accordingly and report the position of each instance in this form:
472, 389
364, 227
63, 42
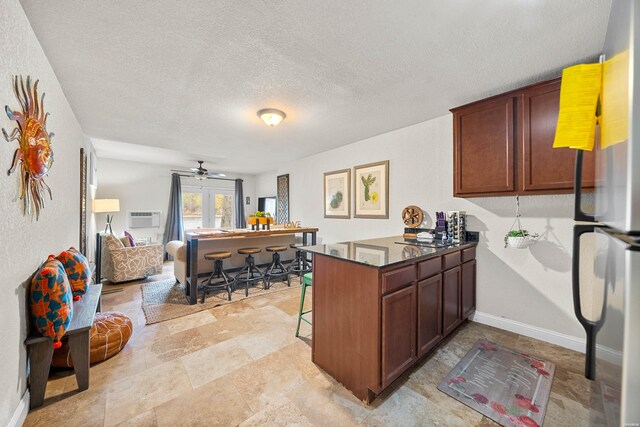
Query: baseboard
553, 337
20, 414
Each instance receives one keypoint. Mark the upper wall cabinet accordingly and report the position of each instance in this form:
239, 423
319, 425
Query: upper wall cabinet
503, 146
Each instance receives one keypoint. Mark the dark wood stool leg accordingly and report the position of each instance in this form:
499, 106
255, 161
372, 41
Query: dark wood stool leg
40, 355
79, 349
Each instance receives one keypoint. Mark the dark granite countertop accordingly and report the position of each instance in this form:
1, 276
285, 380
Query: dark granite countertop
383, 252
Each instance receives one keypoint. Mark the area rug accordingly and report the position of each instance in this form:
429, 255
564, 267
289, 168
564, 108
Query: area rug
165, 299
510, 387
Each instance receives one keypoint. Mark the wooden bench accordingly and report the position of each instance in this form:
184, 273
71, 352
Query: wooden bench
40, 348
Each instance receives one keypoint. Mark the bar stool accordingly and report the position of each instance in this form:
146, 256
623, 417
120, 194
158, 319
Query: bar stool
227, 283
250, 272
307, 280
300, 263
276, 269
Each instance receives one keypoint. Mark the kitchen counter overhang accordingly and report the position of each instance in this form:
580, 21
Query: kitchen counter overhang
384, 252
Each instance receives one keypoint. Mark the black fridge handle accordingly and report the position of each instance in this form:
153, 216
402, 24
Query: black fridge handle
578, 214
590, 327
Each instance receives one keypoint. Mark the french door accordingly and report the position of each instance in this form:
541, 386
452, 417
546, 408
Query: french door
207, 208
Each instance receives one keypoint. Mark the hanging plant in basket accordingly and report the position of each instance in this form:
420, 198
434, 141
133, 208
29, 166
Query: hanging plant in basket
517, 237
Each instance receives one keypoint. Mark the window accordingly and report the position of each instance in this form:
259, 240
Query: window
207, 208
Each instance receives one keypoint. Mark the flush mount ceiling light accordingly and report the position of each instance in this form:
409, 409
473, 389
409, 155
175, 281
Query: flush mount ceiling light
271, 116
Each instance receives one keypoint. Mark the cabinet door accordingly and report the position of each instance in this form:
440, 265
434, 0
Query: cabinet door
483, 135
452, 315
398, 333
544, 167
429, 313
468, 288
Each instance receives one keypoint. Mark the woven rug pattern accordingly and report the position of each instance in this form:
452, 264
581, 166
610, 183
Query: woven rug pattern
165, 299
510, 387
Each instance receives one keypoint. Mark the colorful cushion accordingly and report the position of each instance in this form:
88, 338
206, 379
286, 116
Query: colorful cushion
110, 333
131, 240
78, 271
125, 241
51, 300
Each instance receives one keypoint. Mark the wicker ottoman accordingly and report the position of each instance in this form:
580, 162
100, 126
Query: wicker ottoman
110, 332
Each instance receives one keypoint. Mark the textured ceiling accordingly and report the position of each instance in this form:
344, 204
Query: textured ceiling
189, 76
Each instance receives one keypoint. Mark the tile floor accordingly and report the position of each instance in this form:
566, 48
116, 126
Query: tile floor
240, 364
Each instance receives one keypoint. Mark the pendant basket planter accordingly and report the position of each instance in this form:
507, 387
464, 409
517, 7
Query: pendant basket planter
517, 237
520, 242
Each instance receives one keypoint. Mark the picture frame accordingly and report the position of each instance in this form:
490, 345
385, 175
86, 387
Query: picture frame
337, 194
371, 190
83, 202
93, 169
372, 255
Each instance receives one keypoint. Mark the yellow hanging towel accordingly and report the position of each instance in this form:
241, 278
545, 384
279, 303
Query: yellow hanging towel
579, 95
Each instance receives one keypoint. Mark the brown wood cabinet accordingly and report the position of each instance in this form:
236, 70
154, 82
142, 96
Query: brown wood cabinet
429, 313
484, 135
503, 146
372, 324
468, 278
451, 299
398, 333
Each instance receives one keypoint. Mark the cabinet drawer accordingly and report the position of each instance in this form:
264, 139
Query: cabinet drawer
468, 254
451, 260
429, 267
396, 279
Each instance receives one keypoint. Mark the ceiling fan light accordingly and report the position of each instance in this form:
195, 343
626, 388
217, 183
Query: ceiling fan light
200, 177
271, 116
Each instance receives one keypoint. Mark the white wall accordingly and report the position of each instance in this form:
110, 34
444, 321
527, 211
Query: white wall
142, 186
25, 242
267, 185
532, 286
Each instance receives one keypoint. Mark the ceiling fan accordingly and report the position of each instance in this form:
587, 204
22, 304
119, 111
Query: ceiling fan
201, 173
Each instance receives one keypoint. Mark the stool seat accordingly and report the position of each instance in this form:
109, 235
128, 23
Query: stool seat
249, 251
296, 245
217, 255
276, 248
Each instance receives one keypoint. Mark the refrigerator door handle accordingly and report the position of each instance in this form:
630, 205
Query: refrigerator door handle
578, 214
590, 327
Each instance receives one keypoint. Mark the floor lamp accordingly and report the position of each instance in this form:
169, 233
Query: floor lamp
108, 206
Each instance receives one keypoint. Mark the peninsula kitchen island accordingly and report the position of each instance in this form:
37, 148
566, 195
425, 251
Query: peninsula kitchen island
379, 306
201, 241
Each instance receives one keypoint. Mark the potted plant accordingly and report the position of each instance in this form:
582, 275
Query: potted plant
253, 219
519, 239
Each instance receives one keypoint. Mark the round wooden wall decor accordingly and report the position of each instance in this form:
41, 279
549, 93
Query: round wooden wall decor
412, 216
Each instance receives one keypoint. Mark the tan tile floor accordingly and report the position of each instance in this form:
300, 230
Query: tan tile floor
240, 364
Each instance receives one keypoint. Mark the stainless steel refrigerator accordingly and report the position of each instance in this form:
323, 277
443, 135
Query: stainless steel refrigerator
606, 257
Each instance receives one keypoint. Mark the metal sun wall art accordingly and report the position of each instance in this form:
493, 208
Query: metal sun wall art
34, 153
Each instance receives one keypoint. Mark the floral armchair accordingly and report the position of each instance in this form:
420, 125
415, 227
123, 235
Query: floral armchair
120, 263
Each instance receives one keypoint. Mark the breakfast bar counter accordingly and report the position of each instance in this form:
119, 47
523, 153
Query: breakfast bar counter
380, 305
201, 241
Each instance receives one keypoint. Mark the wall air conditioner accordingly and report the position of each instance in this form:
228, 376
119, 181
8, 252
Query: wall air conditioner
144, 219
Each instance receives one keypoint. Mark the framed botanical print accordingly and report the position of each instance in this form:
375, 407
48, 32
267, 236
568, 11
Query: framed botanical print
337, 194
371, 184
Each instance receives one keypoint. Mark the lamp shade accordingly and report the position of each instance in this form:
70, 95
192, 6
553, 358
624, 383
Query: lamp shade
106, 205
271, 116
